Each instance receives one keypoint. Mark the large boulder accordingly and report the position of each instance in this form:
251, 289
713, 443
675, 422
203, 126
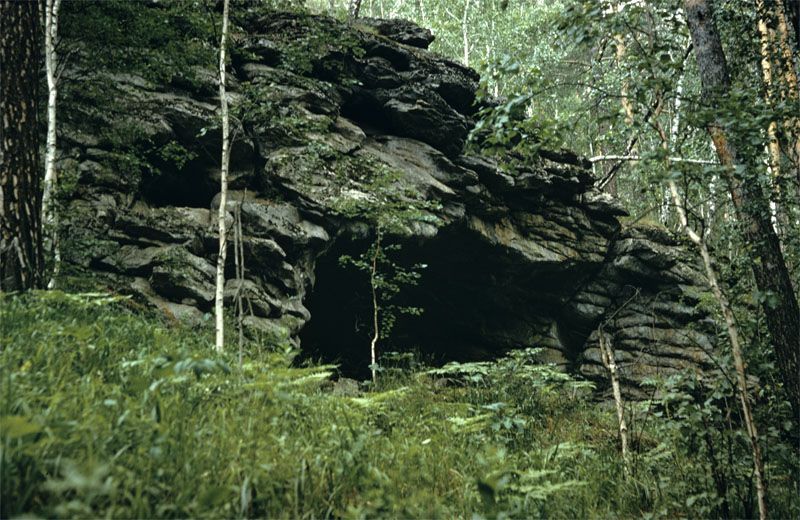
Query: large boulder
334, 117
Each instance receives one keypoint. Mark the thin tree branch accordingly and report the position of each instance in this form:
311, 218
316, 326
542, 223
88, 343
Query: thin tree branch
600, 158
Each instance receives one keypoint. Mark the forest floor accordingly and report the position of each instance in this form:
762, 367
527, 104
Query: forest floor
109, 412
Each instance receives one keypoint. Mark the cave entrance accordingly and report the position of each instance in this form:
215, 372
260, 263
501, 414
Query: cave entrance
185, 172
193, 186
340, 303
475, 305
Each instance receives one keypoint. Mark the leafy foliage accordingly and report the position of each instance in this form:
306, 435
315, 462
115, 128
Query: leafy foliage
391, 277
108, 413
391, 210
162, 42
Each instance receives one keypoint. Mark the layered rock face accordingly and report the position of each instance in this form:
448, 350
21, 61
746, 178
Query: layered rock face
328, 115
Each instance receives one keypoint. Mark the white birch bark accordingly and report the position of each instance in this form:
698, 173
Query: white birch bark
736, 349
420, 13
223, 199
673, 138
609, 360
373, 346
600, 158
722, 300
49, 217
355, 8
465, 32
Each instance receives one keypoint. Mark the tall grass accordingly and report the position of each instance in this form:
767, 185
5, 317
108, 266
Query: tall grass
108, 413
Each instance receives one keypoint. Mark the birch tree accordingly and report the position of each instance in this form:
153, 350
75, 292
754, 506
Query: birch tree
376, 331
223, 100
49, 216
725, 306
608, 357
751, 206
736, 349
355, 7
465, 32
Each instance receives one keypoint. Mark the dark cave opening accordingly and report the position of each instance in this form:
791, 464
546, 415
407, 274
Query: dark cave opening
340, 304
365, 111
185, 172
191, 186
476, 305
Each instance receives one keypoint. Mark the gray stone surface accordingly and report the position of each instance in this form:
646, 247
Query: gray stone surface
525, 258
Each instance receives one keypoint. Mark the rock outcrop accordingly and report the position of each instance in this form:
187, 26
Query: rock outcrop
328, 111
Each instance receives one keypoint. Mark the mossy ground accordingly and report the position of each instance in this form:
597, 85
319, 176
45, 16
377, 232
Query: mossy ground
109, 413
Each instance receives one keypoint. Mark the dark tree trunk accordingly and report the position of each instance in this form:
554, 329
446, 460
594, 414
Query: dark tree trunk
751, 205
793, 7
21, 254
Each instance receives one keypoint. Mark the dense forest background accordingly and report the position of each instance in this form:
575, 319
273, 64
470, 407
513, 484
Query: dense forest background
687, 112
617, 82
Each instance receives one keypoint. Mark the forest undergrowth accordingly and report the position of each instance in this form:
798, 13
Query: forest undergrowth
106, 412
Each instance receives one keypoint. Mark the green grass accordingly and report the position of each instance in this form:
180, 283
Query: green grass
108, 413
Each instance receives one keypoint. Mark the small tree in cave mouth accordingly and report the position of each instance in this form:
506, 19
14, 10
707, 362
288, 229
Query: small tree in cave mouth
387, 278
390, 210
